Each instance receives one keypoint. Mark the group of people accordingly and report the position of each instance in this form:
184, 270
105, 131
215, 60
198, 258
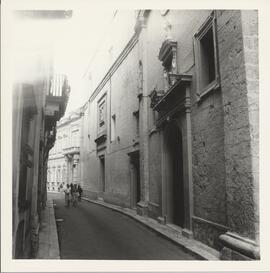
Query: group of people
73, 194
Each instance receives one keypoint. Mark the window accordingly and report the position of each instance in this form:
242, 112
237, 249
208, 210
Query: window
102, 173
137, 125
113, 127
206, 57
101, 115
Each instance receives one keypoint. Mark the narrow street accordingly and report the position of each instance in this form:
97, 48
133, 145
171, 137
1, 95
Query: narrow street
90, 231
151, 115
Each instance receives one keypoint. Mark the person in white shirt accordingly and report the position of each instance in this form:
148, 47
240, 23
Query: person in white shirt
67, 195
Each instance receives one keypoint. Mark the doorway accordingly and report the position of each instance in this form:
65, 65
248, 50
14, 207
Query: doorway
175, 205
135, 178
102, 173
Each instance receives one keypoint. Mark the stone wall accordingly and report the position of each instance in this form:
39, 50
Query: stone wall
209, 193
224, 125
250, 37
121, 96
238, 72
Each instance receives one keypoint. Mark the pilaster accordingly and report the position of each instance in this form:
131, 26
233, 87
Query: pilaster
144, 103
238, 62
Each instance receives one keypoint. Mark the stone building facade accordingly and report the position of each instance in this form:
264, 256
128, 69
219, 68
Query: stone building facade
37, 103
171, 127
64, 157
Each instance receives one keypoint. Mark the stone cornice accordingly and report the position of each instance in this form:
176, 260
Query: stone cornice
101, 139
66, 122
56, 156
132, 42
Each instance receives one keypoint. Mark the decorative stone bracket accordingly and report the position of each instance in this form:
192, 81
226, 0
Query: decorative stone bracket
168, 57
156, 96
68, 157
101, 142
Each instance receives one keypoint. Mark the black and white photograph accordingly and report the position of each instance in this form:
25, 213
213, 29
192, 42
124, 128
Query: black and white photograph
134, 133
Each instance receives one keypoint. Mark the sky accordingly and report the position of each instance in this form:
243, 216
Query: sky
74, 41
76, 46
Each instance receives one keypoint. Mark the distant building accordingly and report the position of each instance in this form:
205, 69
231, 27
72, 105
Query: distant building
37, 103
64, 157
171, 126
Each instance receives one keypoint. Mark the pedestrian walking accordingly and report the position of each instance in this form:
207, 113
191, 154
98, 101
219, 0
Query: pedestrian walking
75, 195
71, 193
80, 190
67, 195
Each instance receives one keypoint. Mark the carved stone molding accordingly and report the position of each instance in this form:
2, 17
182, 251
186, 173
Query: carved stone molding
168, 58
101, 139
167, 52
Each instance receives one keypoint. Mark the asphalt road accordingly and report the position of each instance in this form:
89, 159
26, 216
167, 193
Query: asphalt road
91, 231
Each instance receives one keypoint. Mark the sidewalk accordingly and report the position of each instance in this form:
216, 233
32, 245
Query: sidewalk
199, 250
48, 238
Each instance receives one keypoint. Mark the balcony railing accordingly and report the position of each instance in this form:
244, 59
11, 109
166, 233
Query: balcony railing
57, 96
71, 150
58, 86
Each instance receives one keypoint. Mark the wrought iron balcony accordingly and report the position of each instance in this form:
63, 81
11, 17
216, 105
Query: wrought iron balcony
57, 96
58, 85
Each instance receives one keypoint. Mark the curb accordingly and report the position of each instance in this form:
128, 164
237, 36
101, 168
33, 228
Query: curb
197, 249
48, 237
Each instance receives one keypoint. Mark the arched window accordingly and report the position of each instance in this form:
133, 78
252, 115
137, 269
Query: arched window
49, 175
